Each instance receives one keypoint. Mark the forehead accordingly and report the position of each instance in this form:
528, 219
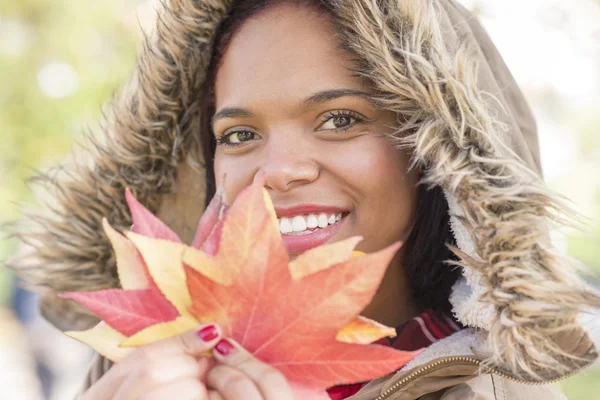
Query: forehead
286, 51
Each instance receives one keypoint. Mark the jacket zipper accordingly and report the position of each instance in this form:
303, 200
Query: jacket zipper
394, 388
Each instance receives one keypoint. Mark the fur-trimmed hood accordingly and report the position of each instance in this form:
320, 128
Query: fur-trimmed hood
465, 119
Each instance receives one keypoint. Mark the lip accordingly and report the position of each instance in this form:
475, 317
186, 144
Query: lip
304, 209
299, 244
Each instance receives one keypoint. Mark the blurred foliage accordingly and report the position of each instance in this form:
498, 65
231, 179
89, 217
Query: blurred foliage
583, 187
582, 386
585, 245
98, 40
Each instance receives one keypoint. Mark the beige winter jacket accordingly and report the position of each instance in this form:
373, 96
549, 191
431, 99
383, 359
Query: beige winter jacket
471, 132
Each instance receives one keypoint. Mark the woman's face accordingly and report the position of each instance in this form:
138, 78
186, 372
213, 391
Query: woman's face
288, 108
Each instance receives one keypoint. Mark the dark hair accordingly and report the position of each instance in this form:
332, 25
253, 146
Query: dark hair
426, 248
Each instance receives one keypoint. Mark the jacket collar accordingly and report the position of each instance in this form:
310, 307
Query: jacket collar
459, 358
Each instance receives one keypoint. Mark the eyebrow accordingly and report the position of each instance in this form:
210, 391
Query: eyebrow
319, 97
328, 95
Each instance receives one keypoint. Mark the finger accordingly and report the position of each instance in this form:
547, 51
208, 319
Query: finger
187, 389
213, 395
232, 383
193, 343
160, 362
190, 344
269, 380
205, 364
158, 373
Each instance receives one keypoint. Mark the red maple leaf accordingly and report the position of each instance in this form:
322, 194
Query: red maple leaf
301, 316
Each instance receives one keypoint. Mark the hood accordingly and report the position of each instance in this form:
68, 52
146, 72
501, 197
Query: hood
465, 119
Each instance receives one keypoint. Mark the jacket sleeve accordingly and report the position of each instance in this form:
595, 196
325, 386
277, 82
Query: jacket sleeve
493, 387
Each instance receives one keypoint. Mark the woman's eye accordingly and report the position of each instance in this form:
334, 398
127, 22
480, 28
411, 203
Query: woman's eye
340, 121
236, 138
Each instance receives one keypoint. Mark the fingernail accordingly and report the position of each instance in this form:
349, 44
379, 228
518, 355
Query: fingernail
208, 333
224, 347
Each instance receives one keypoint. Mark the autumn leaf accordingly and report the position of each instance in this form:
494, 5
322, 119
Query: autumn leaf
300, 316
104, 339
145, 223
363, 330
127, 311
293, 324
130, 266
209, 229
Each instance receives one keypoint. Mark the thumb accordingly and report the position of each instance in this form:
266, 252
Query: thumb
198, 341
194, 342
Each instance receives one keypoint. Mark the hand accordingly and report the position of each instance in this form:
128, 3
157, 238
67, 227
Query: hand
238, 375
169, 369
175, 369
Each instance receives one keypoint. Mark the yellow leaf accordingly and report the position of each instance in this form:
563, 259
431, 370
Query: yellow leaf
208, 266
163, 259
161, 331
129, 266
363, 330
323, 257
356, 254
270, 209
104, 339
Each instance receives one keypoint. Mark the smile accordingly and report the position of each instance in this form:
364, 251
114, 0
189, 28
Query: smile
307, 224
303, 228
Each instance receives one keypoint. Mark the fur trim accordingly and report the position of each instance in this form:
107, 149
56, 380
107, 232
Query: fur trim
430, 78
467, 293
146, 127
428, 68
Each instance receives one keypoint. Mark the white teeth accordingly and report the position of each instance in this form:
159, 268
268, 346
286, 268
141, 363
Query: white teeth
299, 224
307, 223
285, 226
312, 221
323, 220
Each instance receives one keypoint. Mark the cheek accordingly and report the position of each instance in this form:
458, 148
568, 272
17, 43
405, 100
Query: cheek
386, 193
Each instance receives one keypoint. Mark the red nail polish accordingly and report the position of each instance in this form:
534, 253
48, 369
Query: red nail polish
224, 347
208, 333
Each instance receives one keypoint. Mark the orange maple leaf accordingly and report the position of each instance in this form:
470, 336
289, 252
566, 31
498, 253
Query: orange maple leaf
301, 316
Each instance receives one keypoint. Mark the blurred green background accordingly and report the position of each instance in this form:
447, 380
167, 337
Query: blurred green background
60, 60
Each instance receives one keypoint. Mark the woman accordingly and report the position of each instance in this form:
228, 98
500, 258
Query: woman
394, 120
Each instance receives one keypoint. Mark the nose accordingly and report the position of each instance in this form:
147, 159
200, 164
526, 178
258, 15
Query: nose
285, 167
